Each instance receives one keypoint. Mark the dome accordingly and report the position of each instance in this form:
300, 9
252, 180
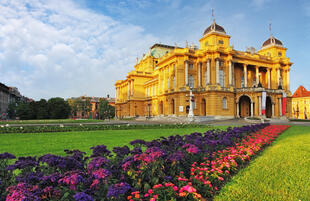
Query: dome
272, 40
214, 27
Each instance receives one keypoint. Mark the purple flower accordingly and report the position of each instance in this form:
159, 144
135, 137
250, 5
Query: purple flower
100, 150
176, 156
127, 162
99, 175
67, 163
51, 179
96, 163
22, 192
6, 155
136, 150
117, 190
30, 178
24, 162
139, 142
80, 196
121, 151
190, 148
72, 178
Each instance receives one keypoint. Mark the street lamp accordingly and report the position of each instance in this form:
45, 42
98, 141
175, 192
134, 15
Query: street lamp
191, 103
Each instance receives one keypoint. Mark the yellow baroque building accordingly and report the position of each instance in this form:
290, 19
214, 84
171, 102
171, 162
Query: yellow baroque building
225, 83
301, 103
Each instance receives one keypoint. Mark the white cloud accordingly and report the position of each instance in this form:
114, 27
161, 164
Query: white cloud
56, 48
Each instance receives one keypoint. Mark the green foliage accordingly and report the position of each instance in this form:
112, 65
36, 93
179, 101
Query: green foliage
58, 108
23, 111
12, 110
42, 110
106, 111
282, 171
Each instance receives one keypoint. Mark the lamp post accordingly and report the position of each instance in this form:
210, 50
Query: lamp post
191, 103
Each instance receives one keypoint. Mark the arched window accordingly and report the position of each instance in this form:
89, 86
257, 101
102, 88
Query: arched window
191, 81
224, 103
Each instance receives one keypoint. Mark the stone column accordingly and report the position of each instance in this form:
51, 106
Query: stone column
233, 73
268, 77
257, 75
272, 110
230, 73
245, 75
217, 71
128, 88
288, 79
251, 109
237, 105
259, 105
278, 76
199, 75
186, 73
208, 71
280, 107
131, 87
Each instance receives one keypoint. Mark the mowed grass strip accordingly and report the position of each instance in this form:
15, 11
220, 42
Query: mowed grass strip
31, 144
281, 172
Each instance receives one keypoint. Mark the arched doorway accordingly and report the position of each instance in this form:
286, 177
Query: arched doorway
172, 107
203, 107
244, 106
268, 107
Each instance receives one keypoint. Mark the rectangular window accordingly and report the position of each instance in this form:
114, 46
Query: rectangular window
221, 42
222, 78
191, 66
242, 81
191, 81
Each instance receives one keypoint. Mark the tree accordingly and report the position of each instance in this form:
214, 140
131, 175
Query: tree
12, 110
106, 111
58, 108
42, 109
23, 111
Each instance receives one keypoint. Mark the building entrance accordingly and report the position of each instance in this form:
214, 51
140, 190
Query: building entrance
244, 106
203, 107
268, 107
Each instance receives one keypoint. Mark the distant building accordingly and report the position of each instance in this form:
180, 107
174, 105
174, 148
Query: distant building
9, 95
301, 103
82, 110
4, 99
15, 95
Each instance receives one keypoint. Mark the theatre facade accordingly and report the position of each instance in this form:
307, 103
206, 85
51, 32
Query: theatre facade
224, 82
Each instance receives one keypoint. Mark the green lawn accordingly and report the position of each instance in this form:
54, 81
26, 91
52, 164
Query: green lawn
50, 121
30, 144
281, 172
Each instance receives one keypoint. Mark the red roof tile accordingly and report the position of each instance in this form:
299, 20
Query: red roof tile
301, 92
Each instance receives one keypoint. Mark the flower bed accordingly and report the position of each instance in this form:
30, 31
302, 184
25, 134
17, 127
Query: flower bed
88, 127
190, 167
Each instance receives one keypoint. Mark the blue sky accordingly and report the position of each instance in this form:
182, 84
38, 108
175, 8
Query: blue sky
70, 48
